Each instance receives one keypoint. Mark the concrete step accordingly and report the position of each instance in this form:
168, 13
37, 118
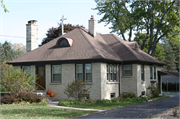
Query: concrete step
43, 94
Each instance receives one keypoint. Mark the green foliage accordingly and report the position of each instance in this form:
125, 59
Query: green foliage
128, 95
155, 19
154, 91
3, 6
103, 101
21, 98
18, 81
68, 102
77, 89
170, 57
175, 113
9, 52
159, 51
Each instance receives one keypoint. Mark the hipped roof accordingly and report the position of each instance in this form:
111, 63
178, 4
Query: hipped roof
86, 47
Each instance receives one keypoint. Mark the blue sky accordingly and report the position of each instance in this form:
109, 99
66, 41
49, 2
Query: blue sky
48, 14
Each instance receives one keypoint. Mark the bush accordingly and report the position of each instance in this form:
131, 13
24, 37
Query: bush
77, 89
68, 102
8, 99
21, 97
92, 102
154, 91
17, 81
129, 95
103, 101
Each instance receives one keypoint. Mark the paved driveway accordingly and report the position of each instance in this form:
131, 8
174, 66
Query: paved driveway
142, 110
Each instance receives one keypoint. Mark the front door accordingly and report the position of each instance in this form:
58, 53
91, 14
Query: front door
41, 77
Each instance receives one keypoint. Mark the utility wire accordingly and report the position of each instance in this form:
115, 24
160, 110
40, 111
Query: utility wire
22, 37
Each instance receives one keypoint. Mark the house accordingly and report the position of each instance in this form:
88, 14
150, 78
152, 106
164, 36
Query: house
112, 65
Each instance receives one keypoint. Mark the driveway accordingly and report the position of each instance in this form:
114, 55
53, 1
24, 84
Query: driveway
142, 110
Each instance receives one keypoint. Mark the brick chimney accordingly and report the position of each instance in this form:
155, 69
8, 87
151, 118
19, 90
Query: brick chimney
31, 35
92, 26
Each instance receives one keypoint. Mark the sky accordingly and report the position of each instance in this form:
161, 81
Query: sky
48, 14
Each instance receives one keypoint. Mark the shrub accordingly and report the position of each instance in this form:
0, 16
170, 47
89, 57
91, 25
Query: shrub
115, 100
103, 101
129, 95
21, 98
68, 102
154, 91
77, 89
17, 81
8, 99
92, 102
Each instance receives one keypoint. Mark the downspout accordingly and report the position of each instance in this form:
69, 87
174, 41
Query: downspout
120, 78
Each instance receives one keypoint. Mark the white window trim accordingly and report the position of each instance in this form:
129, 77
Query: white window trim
153, 73
124, 70
79, 72
56, 73
91, 73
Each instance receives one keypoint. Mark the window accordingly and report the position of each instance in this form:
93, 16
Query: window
107, 66
127, 70
142, 72
112, 95
63, 43
84, 71
88, 72
56, 73
142, 92
26, 69
153, 73
115, 70
79, 71
112, 72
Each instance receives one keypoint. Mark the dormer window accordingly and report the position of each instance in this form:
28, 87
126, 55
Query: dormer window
64, 42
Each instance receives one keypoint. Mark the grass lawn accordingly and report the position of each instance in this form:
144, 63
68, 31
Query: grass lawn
105, 106
38, 112
160, 97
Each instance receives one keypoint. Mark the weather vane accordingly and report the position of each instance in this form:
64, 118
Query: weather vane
62, 19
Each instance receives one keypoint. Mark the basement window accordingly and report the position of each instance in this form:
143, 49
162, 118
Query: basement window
112, 95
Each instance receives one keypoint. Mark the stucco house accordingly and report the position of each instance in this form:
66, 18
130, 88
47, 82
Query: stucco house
112, 65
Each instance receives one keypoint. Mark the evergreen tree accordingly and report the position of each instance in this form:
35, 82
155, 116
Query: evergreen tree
8, 53
170, 57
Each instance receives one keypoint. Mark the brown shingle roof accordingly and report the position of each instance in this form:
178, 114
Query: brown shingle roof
84, 47
128, 51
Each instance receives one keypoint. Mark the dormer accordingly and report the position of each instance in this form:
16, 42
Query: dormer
64, 42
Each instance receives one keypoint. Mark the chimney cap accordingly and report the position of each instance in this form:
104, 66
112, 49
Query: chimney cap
32, 21
92, 16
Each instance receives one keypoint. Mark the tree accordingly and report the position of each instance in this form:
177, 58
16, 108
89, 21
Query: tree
154, 18
9, 52
19, 48
76, 89
53, 33
159, 51
3, 6
169, 57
